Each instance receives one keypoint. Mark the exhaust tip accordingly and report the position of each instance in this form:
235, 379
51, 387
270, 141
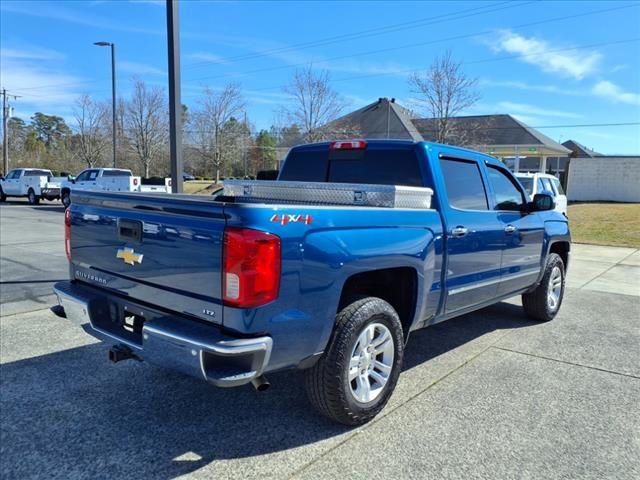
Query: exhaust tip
260, 383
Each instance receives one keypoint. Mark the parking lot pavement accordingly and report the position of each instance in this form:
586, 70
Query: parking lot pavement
488, 395
32, 255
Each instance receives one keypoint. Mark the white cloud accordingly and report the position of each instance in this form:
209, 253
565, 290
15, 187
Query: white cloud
38, 77
529, 110
31, 53
613, 92
206, 57
139, 68
519, 85
549, 58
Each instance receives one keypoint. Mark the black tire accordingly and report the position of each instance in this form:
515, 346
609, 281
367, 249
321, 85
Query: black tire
32, 197
66, 199
3, 197
537, 304
327, 382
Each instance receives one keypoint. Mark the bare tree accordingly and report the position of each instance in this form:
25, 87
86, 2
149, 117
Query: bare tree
314, 102
207, 122
91, 140
447, 91
146, 123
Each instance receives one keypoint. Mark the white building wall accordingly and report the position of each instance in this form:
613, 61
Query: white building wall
612, 179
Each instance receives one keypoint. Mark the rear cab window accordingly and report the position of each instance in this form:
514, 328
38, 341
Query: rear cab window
37, 173
374, 164
116, 173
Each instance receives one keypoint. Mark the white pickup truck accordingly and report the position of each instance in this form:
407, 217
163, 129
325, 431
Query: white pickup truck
108, 180
33, 183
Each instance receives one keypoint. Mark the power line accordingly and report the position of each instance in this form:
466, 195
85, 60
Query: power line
416, 44
367, 33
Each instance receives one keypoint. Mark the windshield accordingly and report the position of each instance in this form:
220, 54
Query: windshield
527, 183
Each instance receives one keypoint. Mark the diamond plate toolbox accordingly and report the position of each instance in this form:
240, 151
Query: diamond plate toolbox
350, 194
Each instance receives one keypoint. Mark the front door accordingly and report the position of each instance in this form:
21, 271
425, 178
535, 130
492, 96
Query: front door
11, 184
522, 233
473, 236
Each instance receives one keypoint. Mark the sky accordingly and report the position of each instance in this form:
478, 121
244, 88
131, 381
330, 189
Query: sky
571, 69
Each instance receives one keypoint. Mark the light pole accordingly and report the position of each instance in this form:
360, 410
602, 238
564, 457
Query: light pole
113, 92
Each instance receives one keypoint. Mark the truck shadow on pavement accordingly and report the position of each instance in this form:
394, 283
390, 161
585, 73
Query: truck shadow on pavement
72, 414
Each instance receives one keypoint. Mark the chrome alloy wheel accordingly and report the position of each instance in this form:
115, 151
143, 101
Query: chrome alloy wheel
554, 290
371, 362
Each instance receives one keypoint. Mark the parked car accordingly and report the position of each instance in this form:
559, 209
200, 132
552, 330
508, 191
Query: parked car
327, 269
535, 183
187, 177
108, 180
33, 183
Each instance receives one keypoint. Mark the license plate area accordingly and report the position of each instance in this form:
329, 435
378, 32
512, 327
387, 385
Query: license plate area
133, 323
124, 320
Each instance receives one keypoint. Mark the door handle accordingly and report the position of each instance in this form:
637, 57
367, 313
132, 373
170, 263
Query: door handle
510, 229
459, 231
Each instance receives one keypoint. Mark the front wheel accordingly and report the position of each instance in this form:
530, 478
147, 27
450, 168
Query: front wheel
3, 197
32, 197
544, 302
66, 199
356, 375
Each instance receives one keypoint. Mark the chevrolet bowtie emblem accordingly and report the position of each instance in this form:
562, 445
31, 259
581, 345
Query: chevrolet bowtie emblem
129, 256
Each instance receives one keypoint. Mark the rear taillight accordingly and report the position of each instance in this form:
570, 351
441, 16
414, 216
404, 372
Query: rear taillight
348, 145
251, 274
67, 233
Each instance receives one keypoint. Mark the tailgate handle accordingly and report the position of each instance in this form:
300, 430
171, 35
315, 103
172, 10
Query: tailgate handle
129, 230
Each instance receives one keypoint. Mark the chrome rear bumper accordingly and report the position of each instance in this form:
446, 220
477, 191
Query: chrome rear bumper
182, 344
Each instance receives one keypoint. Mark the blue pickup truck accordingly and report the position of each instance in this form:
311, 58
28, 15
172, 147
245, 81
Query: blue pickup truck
328, 269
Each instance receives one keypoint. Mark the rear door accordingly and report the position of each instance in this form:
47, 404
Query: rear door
473, 234
522, 233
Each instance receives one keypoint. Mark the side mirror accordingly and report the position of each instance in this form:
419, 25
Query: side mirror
542, 202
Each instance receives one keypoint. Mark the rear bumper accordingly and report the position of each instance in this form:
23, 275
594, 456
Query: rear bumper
50, 193
178, 343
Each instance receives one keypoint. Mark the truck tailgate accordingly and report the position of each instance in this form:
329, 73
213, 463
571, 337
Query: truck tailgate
162, 249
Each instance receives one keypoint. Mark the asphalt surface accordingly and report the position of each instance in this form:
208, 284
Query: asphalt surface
487, 395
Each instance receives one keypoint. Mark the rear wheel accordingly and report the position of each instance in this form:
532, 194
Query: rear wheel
32, 197
66, 199
358, 372
544, 302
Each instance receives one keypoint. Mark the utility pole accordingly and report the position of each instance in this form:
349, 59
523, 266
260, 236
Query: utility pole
5, 133
5, 136
244, 146
175, 104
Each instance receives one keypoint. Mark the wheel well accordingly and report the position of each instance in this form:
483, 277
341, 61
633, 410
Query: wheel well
65, 190
562, 249
397, 286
